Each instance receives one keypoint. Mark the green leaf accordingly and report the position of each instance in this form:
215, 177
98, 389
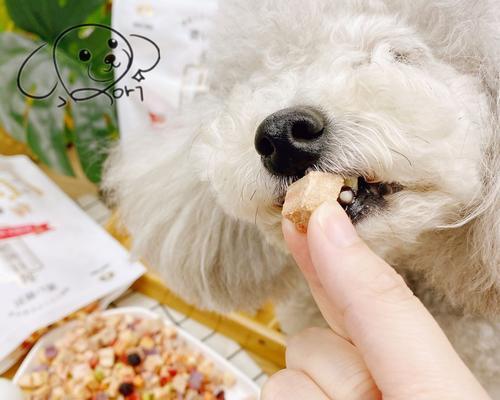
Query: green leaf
86, 38
101, 15
5, 22
95, 129
40, 123
94, 120
36, 122
46, 134
15, 105
48, 18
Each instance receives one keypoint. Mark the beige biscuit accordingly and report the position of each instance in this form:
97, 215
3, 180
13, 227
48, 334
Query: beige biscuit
307, 194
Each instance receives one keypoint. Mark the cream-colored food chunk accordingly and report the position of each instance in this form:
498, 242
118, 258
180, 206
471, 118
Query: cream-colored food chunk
307, 194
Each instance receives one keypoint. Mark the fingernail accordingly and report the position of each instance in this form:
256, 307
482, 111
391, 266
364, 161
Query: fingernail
335, 224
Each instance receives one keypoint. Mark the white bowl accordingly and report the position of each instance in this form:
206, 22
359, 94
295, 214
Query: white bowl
243, 389
8, 390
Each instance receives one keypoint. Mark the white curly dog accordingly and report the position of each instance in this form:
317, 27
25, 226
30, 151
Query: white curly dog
402, 94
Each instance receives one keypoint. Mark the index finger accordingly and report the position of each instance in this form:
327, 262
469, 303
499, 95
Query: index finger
401, 343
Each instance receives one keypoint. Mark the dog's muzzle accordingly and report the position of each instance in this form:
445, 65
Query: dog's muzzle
291, 143
291, 140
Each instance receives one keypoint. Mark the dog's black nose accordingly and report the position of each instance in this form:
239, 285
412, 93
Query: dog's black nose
290, 140
109, 59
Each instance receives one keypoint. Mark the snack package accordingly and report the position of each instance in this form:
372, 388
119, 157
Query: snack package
180, 30
54, 259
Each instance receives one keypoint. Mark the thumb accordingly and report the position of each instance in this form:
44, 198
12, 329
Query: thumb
401, 344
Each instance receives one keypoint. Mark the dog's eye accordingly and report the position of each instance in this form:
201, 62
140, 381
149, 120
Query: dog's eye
112, 43
401, 57
410, 57
84, 55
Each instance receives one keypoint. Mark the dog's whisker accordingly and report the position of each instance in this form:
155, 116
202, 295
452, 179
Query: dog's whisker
243, 187
402, 155
194, 139
421, 138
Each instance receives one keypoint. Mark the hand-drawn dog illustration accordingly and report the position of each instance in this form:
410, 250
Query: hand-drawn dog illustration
104, 72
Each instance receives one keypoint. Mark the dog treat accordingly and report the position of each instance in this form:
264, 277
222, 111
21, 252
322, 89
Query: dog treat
123, 357
307, 194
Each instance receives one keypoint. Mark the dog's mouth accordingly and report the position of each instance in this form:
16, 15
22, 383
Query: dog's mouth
360, 196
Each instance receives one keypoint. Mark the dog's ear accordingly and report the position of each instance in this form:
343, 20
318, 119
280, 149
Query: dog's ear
464, 260
30, 82
484, 238
204, 255
479, 273
483, 241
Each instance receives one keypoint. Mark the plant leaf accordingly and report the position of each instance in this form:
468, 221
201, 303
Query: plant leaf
46, 135
5, 22
95, 129
48, 18
39, 123
94, 121
15, 49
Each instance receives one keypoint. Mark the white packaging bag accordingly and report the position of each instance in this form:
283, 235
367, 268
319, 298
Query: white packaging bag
54, 259
180, 30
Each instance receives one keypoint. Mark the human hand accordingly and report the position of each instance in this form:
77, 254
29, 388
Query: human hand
382, 342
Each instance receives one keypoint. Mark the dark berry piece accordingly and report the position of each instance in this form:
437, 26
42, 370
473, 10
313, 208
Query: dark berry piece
220, 395
126, 389
50, 352
133, 359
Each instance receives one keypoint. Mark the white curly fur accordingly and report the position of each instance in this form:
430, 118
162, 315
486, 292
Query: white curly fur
412, 88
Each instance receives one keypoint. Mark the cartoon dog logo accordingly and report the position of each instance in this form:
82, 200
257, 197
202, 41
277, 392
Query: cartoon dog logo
104, 71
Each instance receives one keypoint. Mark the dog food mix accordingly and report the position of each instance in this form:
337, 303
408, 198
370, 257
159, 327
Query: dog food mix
123, 357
